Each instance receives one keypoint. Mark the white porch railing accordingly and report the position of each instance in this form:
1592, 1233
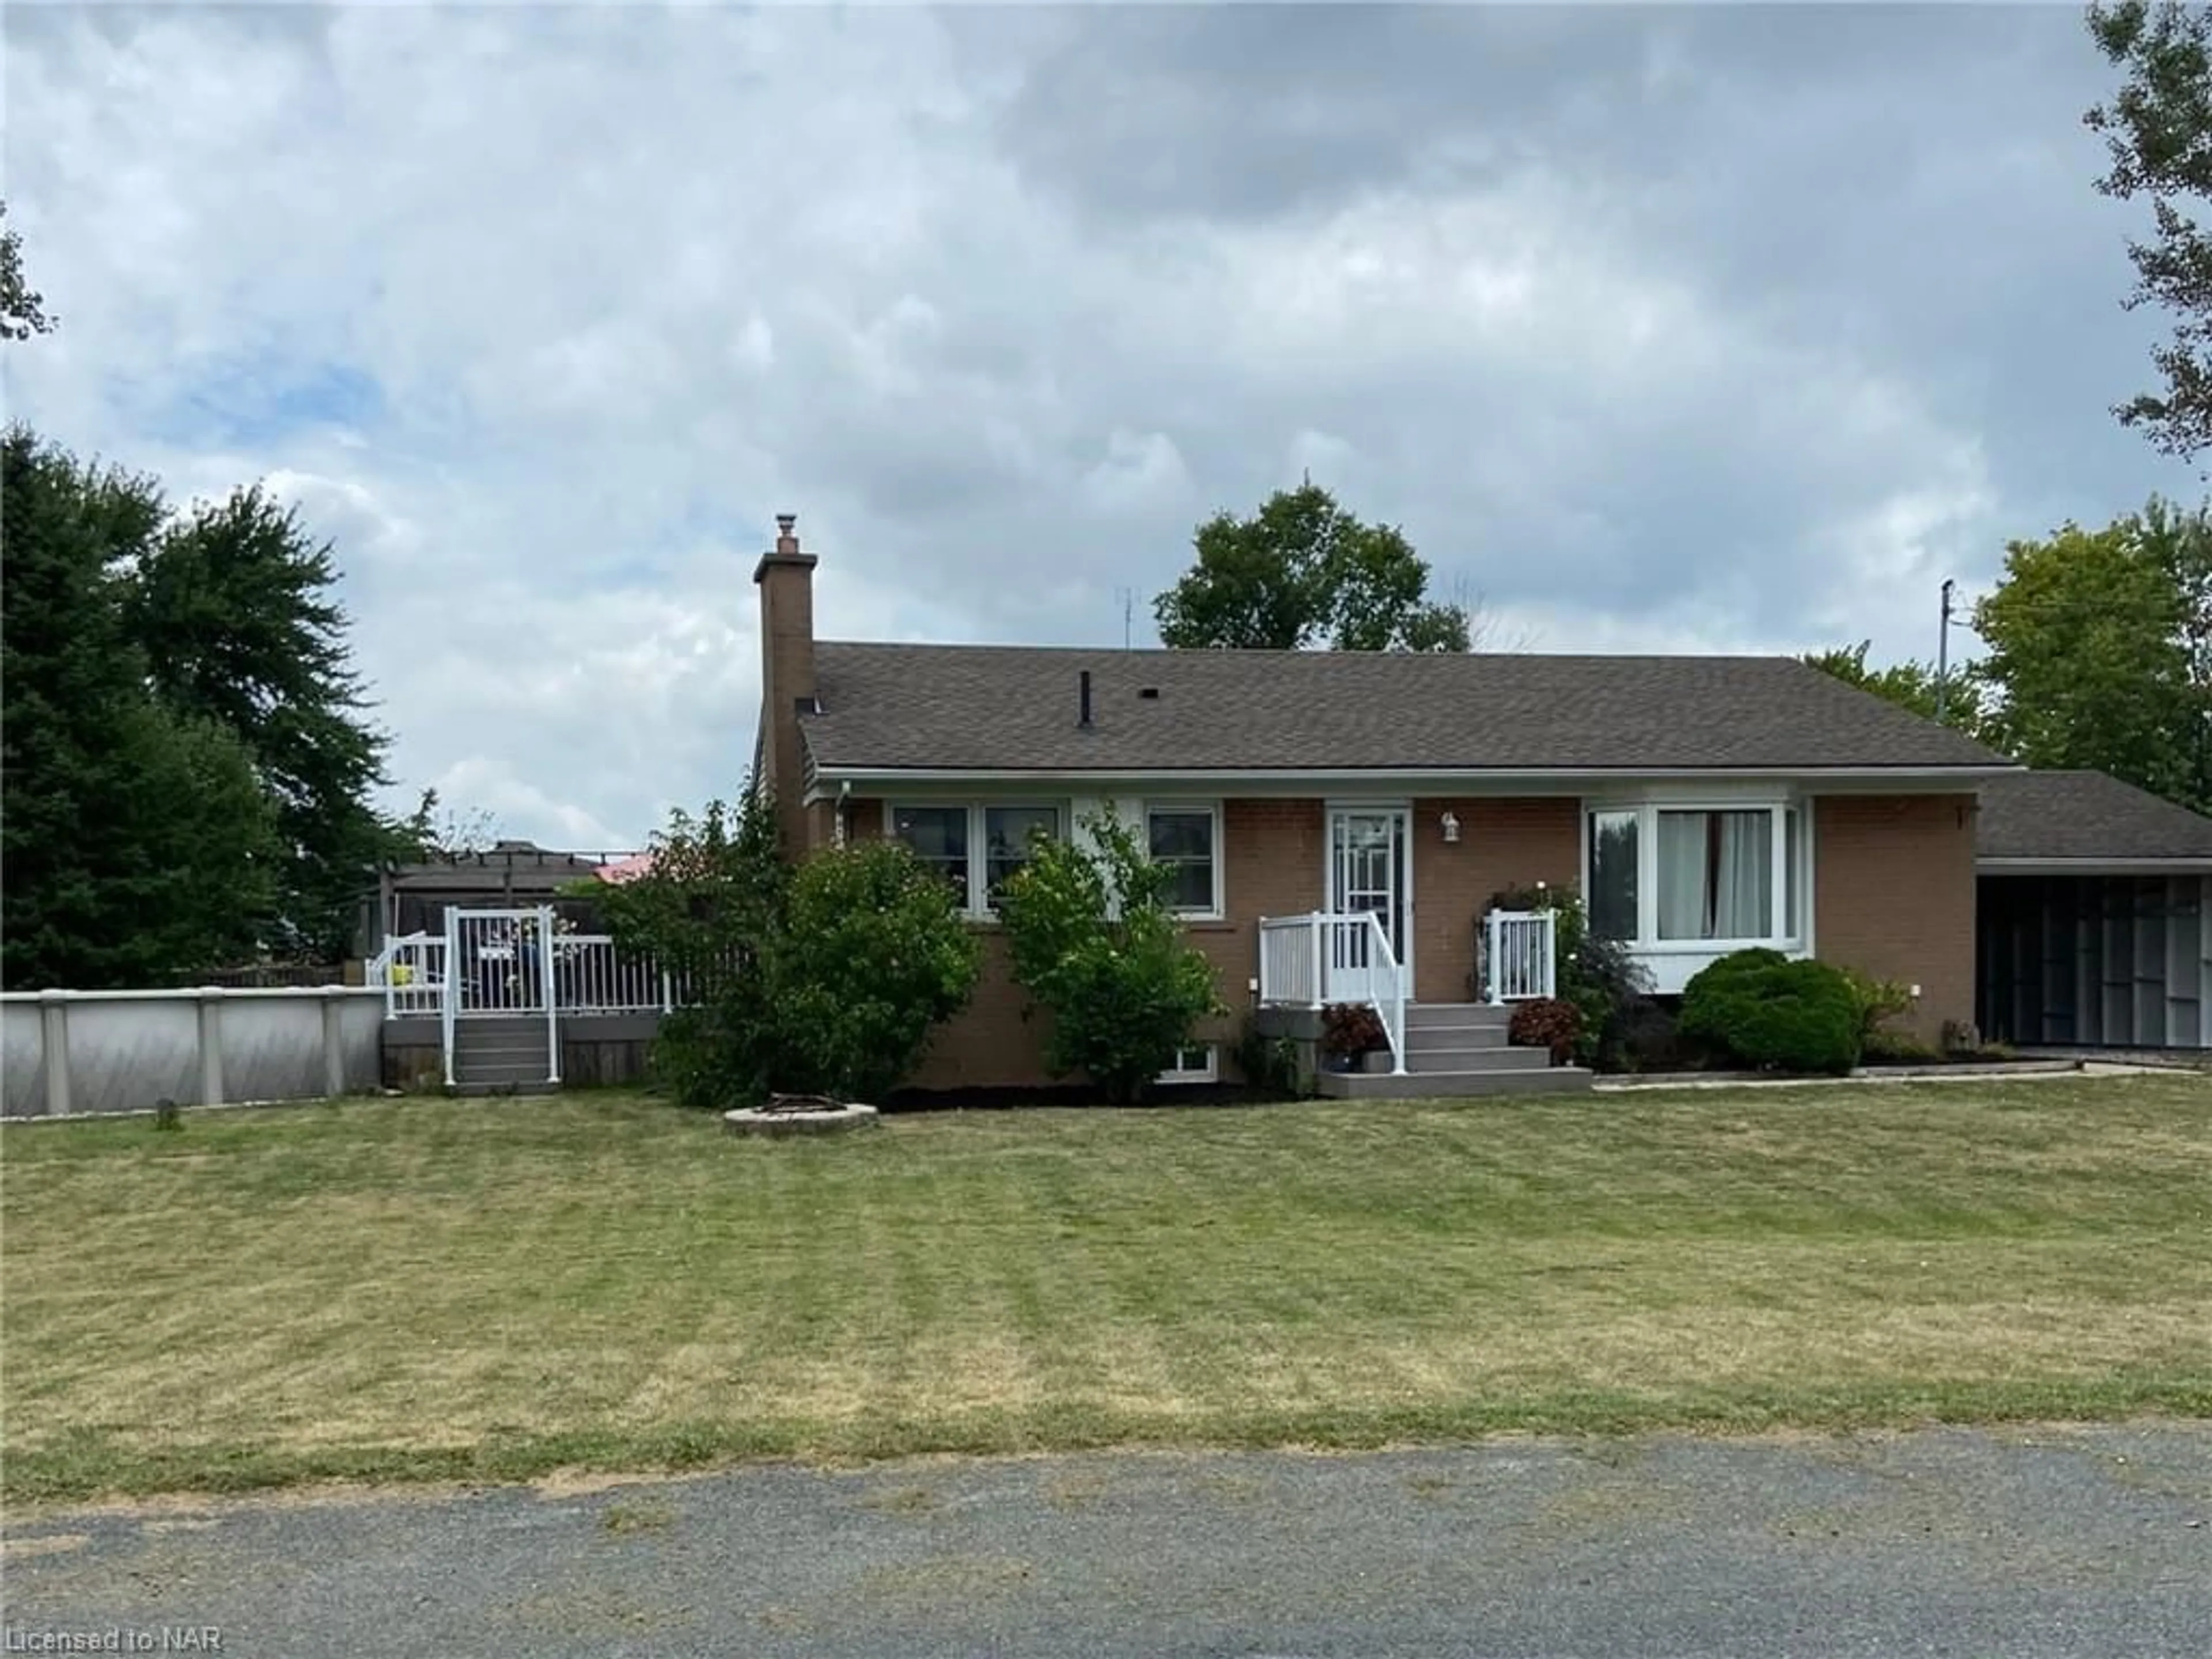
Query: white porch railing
1311, 961
1520, 955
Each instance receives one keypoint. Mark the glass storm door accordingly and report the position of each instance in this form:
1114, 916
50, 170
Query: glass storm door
1367, 859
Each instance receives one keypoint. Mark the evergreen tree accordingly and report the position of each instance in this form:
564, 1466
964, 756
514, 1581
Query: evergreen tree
136, 845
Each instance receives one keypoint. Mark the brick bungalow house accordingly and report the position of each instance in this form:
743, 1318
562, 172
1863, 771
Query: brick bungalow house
1700, 803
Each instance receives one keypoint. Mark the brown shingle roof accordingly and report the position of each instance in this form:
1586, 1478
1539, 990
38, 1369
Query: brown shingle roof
1014, 708
2085, 816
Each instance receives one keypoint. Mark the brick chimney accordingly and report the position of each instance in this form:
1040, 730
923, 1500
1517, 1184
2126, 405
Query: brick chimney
786, 577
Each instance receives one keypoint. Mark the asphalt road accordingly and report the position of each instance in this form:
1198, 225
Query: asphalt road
2073, 1542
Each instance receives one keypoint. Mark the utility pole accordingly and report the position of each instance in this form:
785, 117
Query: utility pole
1943, 654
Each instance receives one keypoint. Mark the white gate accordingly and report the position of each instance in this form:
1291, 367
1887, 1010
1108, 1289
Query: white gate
501, 964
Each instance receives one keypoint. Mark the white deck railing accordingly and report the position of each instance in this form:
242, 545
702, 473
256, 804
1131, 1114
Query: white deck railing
411, 969
500, 975
1520, 955
1312, 960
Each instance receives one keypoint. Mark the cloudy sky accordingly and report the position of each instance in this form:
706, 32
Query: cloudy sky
1731, 328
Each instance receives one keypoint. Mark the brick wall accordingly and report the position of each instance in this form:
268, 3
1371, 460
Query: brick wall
1502, 843
1894, 896
1274, 864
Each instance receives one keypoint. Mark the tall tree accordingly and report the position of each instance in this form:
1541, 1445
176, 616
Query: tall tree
136, 846
2158, 128
232, 608
435, 831
1302, 572
1908, 684
22, 307
2100, 652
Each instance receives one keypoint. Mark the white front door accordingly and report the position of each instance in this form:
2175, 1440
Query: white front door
1368, 873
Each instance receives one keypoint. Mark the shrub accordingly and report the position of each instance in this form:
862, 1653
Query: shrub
873, 954
1351, 1028
1772, 1012
1880, 1001
1548, 1023
825, 979
1095, 943
1269, 1064
1649, 1039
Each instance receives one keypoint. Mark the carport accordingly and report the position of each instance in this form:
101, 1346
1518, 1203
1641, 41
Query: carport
2093, 915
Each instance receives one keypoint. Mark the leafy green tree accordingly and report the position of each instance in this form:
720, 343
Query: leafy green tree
2158, 131
231, 606
1095, 942
1908, 684
1302, 572
137, 848
2100, 652
22, 307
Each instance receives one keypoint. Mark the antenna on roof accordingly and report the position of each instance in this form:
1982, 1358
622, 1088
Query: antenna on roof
1128, 597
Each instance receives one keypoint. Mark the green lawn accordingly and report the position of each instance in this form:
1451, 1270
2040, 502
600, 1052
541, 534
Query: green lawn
481, 1289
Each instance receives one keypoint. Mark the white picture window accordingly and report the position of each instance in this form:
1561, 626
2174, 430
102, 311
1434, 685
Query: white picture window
1187, 840
1657, 874
978, 846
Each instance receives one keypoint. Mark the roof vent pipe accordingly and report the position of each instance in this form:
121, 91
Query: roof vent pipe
1083, 681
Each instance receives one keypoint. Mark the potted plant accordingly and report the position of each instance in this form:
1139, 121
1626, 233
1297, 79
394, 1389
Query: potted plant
1348, 1032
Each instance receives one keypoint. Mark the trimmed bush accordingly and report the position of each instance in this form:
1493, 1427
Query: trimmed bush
872, 956
1548, 1023
1771, 1012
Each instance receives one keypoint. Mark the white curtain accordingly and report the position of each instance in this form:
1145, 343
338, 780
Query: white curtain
1743, 887
1716, 875
1683, 906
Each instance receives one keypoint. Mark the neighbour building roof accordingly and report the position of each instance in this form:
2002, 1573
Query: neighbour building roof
2086, 818
992, 708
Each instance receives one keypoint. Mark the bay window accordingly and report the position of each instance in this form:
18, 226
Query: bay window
976, 846
1665, 877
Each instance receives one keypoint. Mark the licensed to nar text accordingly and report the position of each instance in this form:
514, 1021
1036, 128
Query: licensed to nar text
114, 1638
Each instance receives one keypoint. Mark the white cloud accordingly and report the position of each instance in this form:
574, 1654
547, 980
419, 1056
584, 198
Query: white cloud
541, 314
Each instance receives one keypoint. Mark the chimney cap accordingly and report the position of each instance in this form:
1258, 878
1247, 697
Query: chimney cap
785, 552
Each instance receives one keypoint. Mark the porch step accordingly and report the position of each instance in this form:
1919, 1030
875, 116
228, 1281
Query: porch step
1431, 1039
1439, 1061
1456, 1017
1455, 1086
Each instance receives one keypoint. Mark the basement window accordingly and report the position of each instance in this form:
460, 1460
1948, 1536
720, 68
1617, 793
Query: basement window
1199, 1064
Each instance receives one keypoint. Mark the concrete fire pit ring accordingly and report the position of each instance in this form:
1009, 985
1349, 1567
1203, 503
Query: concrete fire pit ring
788, 1115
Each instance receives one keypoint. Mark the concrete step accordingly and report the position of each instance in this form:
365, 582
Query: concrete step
1422, 1039
1448, 1060
1453, 1085
1455, 1016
